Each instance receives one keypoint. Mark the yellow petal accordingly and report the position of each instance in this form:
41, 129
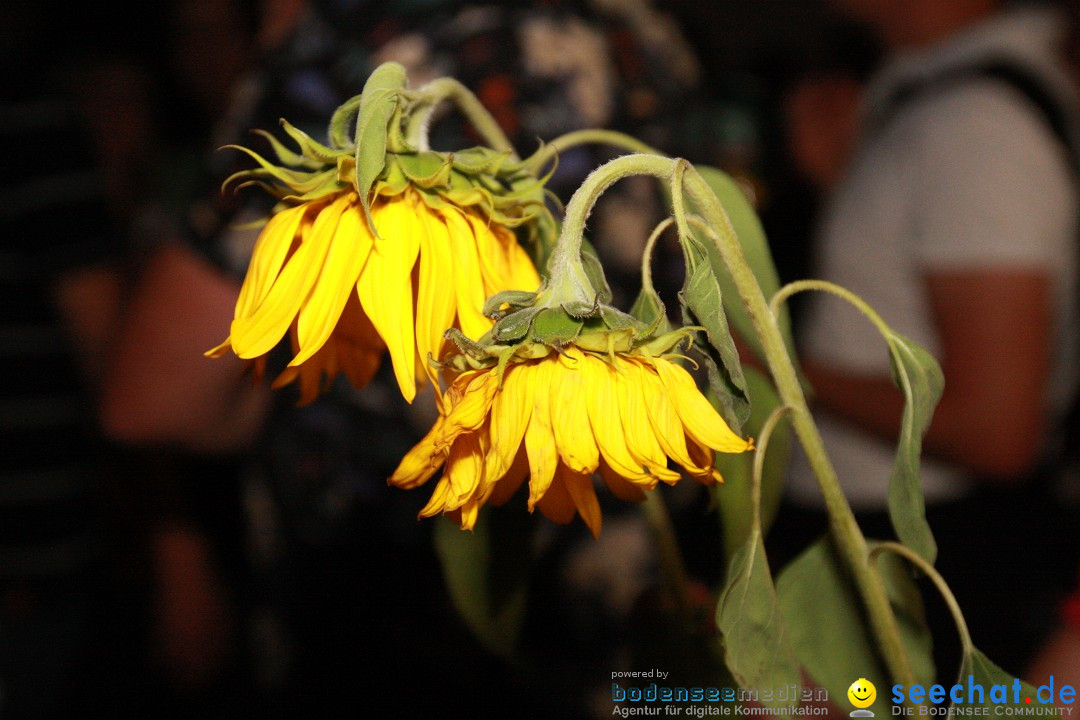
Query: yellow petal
437, 503
259, 333
435, 303
510, 411
469, 407
569, 419
267, 257
605, 418
386, 290
539, 438
700, 419
420, 463
640, 438
468, 279
665, 421
583, 494
504, 264
464, 469
322, 309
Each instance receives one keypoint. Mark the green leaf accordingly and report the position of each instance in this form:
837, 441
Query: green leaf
757, 646
751, 235
733, 498
702, 305
996, 684
919, 376
828, 630
486, 574
378, 105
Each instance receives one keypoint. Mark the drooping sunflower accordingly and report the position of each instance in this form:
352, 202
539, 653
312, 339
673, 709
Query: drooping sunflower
345, 294
558, 419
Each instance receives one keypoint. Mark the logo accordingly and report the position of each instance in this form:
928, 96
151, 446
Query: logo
862, 694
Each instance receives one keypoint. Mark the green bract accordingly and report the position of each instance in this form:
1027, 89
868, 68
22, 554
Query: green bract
371, 152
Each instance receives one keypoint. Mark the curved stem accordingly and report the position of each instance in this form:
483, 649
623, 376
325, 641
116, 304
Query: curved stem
935, 577
585, 137
793, 288
343, 117
647, 253
759, 462
447, 88
845, 529
568, 281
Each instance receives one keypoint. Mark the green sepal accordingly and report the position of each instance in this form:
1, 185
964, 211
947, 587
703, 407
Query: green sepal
426, 170
594, 270
649, 309
554, 327
515, 325
514, 300
378, 107
314, 152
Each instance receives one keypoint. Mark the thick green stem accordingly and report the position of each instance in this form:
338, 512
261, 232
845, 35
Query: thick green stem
447, 88
846, 532
568, 279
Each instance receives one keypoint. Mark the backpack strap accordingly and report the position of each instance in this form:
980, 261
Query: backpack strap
1030, 86
1064, 460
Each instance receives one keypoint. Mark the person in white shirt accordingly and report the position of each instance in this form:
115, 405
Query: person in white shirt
956, 219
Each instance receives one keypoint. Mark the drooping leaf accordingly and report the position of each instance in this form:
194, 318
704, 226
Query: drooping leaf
702, 305
828, 629
733, 498
919, 376
757, 646
378, 104
997, 684
755, 246
486, 574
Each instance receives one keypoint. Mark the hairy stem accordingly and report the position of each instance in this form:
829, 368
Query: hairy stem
845, 530
430, 95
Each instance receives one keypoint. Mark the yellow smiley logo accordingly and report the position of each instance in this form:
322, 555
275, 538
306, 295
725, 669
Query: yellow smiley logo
862, 693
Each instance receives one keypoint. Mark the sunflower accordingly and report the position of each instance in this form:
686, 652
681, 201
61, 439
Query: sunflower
344, 294
558, 419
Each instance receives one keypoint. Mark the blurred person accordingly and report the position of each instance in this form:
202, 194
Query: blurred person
341, 570
956, 219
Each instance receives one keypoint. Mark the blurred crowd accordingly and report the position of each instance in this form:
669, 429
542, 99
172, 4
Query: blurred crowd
179, 542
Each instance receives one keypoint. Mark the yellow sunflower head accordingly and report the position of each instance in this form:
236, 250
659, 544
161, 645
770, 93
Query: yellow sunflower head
355, 261
629, 414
